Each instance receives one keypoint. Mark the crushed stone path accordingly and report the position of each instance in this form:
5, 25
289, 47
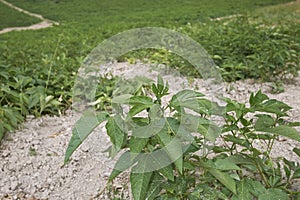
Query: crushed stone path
45, 23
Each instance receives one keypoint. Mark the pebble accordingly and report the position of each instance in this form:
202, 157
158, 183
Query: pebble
106, 174
36, 142
14, 185
51, 187
5, 153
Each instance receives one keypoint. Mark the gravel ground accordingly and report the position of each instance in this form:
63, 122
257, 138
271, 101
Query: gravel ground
31, 164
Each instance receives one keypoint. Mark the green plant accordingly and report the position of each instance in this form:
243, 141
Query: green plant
242, 47
175, 150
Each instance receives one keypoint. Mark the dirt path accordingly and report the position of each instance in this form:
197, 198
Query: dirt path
32, 157
44, 24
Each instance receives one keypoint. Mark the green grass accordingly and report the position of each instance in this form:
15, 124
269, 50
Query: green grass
281, 13
10, 17
36, 65
155, 12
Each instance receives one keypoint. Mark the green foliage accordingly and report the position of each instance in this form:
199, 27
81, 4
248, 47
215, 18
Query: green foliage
37, 75
171, 153
99, 13
83, 127
242, 47
10, 17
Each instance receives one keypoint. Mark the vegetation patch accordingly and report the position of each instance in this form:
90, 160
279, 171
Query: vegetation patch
10, 17
172, 152
38, 67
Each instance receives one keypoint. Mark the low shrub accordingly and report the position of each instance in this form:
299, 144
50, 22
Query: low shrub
176, 150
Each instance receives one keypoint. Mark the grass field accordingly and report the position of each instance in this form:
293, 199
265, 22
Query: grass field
157, 12
9, 17
36, 65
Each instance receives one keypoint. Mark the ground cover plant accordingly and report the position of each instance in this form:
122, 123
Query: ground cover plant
10, 17
45, 62
172, 152
253, 50
134, 12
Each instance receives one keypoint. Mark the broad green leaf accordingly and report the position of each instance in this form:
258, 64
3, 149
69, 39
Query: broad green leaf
82, 129
155, 112
231, 127
258, 98
122, 99
224, 178
297, 151
137, 144
273, 106
9, 114
173, 147
140, 181
232, 105
137, 109
155, 186
160, 84
291, 164
293, 123
201, 125
218, 149
236, 140
149, 130
125, 161
257, 188
141, 100
283, 130
133, 122
226, 164
244, 189
130, 86
167, 172
272, 194
183, 95
116, 128
191, 100
264, 121
178, 100
154, 161
241, 159
8, 127
201, 106
155, 90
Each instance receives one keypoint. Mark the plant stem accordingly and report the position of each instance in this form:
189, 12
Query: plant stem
51, 63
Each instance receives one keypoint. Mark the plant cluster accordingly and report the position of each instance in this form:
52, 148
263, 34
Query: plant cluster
37, 75
174, 150
134, 12
241, 47
37, 87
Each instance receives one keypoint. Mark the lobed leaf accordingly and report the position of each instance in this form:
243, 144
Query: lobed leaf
273, 193
125, 161
224, 178
82, 129
155, 186
140, 181
116, 131
283, 130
